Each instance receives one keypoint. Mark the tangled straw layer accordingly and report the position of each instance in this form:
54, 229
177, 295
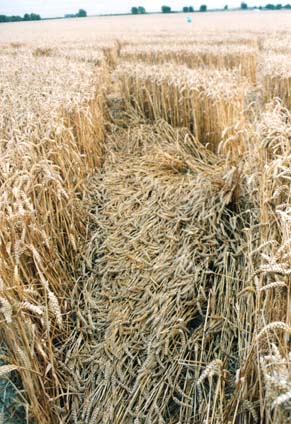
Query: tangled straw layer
162, 262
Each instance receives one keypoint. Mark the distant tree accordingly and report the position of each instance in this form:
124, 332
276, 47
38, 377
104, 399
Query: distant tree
243, 6
134, 10
270, 6
15, 18
166, 9
278, 6
287, 6
188, 9
35, 17
225, 7
203, 8
260, 7
141, 10
81, 14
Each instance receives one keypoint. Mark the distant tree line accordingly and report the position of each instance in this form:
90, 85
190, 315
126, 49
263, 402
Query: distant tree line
26, 17
268, 6
81, 14
203, 8
188, 9
138, 10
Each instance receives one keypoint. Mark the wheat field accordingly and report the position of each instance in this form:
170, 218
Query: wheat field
145, 220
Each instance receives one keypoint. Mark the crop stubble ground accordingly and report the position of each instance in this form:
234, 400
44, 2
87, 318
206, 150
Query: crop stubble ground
145, 219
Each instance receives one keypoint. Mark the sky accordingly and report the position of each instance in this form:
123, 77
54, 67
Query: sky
51, 8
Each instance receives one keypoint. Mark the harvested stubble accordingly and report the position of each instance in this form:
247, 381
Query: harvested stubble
51, 140
211, 104
203, 56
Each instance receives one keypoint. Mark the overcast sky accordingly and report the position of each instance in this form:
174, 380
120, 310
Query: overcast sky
50, 8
